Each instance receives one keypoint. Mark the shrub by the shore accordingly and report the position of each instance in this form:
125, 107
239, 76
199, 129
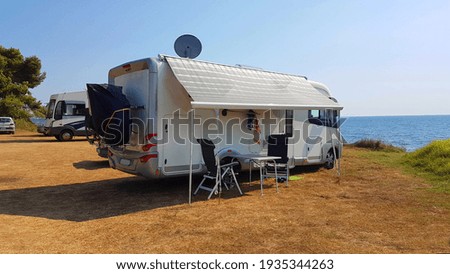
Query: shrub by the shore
433, 158
25, 124
375, 144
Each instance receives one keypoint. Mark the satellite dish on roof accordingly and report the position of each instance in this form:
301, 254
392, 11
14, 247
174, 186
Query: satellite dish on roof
188, 46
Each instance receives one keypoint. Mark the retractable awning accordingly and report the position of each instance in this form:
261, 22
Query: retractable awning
215, 86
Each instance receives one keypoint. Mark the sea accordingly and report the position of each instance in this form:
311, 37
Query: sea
409, 132
38, 121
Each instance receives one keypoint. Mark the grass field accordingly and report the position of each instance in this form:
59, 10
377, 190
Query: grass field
431, 162
62, 198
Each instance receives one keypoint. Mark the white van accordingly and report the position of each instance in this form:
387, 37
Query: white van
66, 115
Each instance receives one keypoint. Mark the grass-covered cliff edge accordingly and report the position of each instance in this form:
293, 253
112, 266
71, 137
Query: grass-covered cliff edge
431, 162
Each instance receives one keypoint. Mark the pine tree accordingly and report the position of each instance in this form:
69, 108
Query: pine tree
18, 74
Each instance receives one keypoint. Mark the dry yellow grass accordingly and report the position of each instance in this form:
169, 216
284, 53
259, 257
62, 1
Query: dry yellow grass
62, 198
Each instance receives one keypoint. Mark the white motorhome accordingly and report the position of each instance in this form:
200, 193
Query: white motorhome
66, 115
239, 107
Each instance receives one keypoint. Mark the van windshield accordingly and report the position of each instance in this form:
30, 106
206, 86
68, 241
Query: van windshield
50, 108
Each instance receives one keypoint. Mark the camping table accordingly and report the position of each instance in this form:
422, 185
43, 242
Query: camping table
259, 161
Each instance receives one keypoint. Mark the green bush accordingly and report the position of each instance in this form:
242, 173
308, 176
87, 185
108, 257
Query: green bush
379, 145
25, 124
433, 158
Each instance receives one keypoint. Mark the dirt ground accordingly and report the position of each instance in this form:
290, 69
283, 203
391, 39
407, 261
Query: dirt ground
62, 198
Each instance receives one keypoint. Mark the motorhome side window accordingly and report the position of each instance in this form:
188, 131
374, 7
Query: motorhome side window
335, 119
289, 119
326, 117
314, 113
74, 110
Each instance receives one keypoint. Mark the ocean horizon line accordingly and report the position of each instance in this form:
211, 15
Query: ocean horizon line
394, 115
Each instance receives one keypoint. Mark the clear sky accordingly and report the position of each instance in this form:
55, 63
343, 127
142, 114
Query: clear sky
377, 57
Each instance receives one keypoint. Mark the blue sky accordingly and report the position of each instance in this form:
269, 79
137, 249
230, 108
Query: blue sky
377, 57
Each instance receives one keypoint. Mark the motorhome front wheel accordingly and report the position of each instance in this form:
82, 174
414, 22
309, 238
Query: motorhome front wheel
329, 160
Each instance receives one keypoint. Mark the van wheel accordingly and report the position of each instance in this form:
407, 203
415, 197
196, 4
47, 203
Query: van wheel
65, 135
329, 160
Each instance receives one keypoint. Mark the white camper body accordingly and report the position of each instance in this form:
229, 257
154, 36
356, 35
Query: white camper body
161, 89
66, 115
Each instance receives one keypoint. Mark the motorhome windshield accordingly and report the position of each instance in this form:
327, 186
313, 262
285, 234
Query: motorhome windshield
50, 108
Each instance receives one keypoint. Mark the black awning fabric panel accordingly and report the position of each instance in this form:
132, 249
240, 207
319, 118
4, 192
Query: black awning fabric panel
110, 113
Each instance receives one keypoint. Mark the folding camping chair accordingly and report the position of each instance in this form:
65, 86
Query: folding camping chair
277, 146
216, 171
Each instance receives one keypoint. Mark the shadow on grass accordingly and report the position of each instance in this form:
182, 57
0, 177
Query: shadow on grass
109, 198
91, 165
102, 199
42, 139
305, 169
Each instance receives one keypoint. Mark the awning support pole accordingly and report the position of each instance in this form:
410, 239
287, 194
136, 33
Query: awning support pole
191, 140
